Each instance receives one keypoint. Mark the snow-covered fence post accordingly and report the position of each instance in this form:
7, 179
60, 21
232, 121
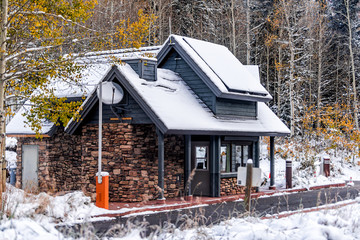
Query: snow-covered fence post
249, 173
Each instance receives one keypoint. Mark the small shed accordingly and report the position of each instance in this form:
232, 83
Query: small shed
189, 118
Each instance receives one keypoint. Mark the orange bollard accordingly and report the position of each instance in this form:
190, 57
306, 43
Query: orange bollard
102, 192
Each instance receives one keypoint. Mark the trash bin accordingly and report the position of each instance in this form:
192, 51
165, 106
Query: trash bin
12, 172
11, 167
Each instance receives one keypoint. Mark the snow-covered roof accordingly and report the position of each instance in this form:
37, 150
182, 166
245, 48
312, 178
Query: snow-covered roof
96, 65
190, 114
176, 109
18, 126
225, 72
158, 98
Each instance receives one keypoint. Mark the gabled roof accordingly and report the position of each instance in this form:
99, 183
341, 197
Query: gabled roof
98, 64
171, 104
175, 109
221, 71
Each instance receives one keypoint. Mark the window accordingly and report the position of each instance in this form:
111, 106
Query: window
233, 155
201, 157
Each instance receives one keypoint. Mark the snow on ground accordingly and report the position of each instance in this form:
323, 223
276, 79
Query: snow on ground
34, 217
30, 216
304, 177
42, 207
337, 224
11, 142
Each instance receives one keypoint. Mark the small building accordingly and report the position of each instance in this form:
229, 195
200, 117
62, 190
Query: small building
188, 119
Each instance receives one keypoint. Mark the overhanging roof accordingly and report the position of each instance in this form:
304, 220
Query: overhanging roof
220, 70
175, 109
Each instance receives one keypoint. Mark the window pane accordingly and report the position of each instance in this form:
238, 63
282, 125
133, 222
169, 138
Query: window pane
246, 154
201, 152
201, 157
223, 158
237, 157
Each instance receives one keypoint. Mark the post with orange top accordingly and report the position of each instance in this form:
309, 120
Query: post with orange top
102, 190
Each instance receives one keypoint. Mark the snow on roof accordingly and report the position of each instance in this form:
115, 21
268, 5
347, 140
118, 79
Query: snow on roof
90, 77
179, 109
254, 70
97, 64
17, 124
221, 66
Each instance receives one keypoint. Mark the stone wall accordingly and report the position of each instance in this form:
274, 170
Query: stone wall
58, 164
69, 162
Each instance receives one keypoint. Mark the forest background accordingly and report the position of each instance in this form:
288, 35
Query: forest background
308, 53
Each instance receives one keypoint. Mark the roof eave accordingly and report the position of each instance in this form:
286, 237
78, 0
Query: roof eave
225, 133
246, 97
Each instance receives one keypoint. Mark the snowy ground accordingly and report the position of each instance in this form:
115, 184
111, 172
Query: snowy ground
35, 216
341, 169
342, 223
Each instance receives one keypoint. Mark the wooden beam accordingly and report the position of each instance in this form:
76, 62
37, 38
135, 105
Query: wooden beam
26, 135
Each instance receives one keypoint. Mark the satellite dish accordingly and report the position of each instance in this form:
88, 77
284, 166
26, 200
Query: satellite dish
112, 93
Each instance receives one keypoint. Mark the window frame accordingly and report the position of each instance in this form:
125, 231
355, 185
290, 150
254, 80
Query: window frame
231, 148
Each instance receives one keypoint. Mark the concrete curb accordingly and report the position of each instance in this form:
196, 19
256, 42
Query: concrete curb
325, 207
197, 201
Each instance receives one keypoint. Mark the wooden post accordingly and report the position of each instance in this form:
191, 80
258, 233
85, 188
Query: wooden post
249, 171
272, 163
257, 157
288, 174
326, 166
188, 194
160, 163
215, 166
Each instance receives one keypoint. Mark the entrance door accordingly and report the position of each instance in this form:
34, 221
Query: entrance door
30, 158
200, 184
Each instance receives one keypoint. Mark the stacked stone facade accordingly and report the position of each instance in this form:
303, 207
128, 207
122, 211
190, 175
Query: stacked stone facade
69, 162
228, 186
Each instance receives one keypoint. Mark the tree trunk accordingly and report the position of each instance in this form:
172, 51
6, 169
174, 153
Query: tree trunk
4, 16
319, 75
267, 67
337, 75
279, 77
291, 83
352, 65
233, 27
247, 32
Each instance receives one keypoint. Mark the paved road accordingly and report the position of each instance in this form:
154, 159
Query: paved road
215, 213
